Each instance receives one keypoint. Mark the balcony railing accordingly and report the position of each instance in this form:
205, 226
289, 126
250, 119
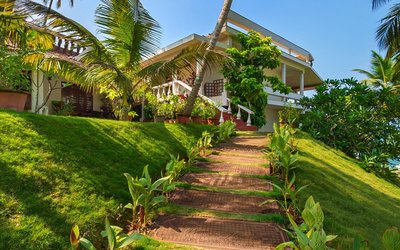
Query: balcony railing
279, 99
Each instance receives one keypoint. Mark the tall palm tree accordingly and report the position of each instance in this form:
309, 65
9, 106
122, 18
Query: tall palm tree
223, 16
384, 72
113, 64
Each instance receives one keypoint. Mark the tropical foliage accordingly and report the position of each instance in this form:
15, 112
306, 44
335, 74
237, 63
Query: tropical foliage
310, 235
384, 72
363, 122
244, 71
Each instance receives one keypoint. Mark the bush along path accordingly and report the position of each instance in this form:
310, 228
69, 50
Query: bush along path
217, 204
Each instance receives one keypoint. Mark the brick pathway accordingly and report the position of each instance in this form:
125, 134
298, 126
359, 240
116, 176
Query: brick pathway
241, 155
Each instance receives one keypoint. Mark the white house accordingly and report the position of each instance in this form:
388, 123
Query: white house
296, 70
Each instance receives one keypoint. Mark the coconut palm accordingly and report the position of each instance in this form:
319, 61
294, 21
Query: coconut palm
223, 16
113, 64
388, 32
384, 72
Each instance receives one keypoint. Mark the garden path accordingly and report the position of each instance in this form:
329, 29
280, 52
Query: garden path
221, 199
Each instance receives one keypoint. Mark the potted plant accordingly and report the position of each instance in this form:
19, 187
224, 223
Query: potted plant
14, 83
160, 112
208, 113
197, 111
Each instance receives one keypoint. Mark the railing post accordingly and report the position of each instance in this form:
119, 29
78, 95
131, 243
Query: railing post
239, 116
248, 120
163, 90
221, 119
169, 90
158, 93
229, 108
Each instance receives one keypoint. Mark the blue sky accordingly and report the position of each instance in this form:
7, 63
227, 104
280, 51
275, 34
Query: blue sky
340, 34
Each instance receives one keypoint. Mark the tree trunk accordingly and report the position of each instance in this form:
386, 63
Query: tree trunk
223, 16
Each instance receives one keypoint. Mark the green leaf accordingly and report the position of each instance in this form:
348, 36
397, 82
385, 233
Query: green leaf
391, 239
110, 235
285, 245
129, 239
157, 200
85, 243
74, 236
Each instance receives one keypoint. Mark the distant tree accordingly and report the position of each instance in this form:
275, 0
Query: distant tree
244, 71
361, 121
384, 72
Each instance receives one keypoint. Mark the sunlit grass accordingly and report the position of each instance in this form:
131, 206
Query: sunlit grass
57, 171
354, 202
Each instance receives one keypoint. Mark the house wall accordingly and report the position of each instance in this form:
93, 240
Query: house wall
56, 95
271, 117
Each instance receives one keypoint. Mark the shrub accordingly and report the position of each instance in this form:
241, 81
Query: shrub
310, 235
225, 130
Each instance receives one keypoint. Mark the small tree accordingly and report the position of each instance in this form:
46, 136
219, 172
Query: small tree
245, 73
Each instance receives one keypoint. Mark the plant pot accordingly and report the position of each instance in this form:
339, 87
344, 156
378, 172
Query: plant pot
197, 119
210, 121
159, 118
171, 121
12, 99
184, 119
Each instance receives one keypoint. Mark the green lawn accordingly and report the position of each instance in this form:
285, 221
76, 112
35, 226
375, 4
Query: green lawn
355, 202
56, 171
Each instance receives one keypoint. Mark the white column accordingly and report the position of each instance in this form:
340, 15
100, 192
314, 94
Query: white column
302, 83
37, 95
284, 73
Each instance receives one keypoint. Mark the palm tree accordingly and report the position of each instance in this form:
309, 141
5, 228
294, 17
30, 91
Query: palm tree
388, 32
213, 41
384, 72
113, 64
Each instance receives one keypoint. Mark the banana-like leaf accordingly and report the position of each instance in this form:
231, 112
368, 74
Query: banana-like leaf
74, 237
85, 243
286, 245
128, 240
157, 200
111, 237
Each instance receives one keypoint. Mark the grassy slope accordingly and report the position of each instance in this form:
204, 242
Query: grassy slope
56, 171
355, 202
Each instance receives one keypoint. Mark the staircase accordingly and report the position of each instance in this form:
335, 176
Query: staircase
240, 124
177, 87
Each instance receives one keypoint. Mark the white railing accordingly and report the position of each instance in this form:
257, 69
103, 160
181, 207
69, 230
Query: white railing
176, 87
279, 99
238, 115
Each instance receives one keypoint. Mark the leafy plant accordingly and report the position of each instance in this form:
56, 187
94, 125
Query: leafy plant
192, 152
204, 143
12, 71
62, 108
115, 237
226, 130
289, 202
76, 240
281, 152
310, 235
290, 116
146, 195
245, 73
174, 168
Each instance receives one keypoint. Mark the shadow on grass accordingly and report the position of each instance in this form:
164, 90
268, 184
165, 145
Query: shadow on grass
354, 202
70, 170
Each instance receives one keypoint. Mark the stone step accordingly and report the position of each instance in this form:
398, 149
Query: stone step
212, 233
223, 202
223, 167
244, 153
227, 181
237, 158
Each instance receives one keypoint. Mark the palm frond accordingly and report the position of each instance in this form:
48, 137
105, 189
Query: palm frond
378, 3
131, 33
389, 31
